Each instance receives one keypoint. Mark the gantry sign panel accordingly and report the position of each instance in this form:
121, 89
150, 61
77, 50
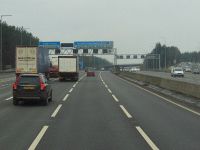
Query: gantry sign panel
138, 56
86, 48
93, 44
71, 51
131, 56
50, 44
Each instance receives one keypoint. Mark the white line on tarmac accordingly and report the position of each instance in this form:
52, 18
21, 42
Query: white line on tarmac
106, 86
115, 98
170, 101
109, 91
70, 90
147, 139
38, 138
74, 85
65, 98
9, 98
125, 111
56, 111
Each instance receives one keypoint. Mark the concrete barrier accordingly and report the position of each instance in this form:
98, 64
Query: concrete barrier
177, 86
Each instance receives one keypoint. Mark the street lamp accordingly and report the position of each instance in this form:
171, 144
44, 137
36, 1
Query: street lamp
1, 50
165, 52
21, 34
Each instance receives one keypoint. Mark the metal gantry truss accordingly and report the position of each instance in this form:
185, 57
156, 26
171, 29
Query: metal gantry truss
87, 52
92, 52
140, 56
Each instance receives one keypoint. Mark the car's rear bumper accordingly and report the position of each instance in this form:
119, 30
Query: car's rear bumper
178, 75
28, 98
19, 96
90, 74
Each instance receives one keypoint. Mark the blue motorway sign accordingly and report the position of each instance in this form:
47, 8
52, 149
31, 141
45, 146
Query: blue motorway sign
50, 44
93, 44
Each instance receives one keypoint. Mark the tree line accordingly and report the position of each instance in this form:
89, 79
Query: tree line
13, 36
169, 56
94, 62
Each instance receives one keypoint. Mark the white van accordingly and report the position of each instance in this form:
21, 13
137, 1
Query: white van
177, 72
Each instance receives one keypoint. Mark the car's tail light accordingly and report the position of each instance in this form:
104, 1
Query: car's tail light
42, 86
14, 86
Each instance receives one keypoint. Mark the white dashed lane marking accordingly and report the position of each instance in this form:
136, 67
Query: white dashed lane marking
38, 138
9, 98
125, 111
147, 139
115, 98
65, 98
109, 91
70, 90
56, 111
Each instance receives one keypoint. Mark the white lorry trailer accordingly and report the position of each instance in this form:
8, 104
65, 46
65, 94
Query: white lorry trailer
31, 59
68, 68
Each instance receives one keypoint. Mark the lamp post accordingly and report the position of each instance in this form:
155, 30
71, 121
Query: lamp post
21, 34
165, 51
1, 50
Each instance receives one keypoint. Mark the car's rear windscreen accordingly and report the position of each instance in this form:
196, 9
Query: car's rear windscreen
29, 80
178, 69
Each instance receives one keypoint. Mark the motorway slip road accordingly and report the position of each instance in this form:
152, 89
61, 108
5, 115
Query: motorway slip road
102, 112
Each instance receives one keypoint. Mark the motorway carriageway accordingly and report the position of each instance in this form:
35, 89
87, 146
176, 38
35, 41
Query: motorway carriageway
98, 113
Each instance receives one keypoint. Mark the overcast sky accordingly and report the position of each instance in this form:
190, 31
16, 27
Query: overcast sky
134, 25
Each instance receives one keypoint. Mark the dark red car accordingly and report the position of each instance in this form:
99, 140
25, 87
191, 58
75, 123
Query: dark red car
90, 72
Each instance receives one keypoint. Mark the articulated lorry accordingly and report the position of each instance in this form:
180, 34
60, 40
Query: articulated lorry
68, 68
31, 59
53, 70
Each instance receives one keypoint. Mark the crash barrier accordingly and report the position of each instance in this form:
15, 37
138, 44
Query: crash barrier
174, 85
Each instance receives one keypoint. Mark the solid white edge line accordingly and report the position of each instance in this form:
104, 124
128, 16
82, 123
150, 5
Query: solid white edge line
66, 96
125, 111
109, 91
56, 111
115, 98
170, 101
74, 85
38, 138
147, 139
70, 90
9, 98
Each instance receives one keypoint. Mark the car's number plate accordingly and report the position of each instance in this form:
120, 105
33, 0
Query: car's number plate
29, 88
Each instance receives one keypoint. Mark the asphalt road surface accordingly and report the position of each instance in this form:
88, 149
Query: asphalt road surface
98, 113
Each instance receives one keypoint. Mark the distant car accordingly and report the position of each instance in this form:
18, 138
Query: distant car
31, 87
187, 69
177, 72
195, 71
90, 72
134, 69
102, 69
